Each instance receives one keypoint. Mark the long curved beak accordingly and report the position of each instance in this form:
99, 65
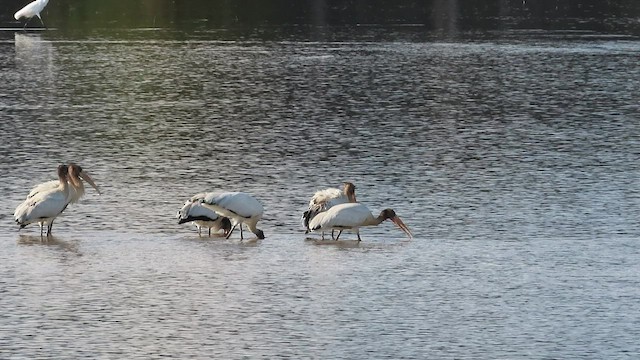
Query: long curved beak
399, 223
88, 179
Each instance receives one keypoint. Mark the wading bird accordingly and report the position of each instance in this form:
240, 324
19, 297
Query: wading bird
352, 216
45, 206
200, 216
240, 208
32, 9
323, 200
76, 186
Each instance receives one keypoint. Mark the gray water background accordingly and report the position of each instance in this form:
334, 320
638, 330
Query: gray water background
512, 157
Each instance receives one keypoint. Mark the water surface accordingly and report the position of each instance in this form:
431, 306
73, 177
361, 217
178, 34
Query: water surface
513, 159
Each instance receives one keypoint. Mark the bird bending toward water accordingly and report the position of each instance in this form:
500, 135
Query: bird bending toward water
323, 200
352, 216
240, 208
200, 216
32, 9
46, 205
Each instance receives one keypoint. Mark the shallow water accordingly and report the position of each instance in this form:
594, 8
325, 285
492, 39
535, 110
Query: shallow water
513, 160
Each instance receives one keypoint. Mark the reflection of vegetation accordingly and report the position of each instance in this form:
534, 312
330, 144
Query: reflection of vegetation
225, 13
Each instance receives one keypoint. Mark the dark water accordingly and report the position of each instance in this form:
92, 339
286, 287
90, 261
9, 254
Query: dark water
513, 158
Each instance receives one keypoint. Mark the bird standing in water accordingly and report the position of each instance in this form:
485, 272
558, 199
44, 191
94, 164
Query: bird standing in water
32, 9
352, 216
240, 208
200, 216
323, 200
46, 205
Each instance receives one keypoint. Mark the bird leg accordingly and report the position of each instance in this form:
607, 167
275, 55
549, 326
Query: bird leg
231, 231
332, 236
49, 228
241, 237
337, 237
199, 231
41, 228
358, 233
209, 232
45, 26
25, 23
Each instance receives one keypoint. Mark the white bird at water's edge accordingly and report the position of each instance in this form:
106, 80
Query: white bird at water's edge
240, 208
193, 211
46, 205
352, 216
73, 176
30, 10
323, 200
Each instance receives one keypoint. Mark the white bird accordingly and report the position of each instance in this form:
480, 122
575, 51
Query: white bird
352, 216
200, 216
32, 9
76, 190
240, 208
45, 206
323, 200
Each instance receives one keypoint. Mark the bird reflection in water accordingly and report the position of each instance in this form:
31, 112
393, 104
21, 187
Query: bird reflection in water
52, 242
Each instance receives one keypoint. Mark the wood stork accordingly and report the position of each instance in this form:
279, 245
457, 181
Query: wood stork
323, 200
45, 206
240, 208
76, 186
352, 216
32, 9
200, 216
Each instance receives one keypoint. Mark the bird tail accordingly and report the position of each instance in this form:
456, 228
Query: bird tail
305, 219
310, 214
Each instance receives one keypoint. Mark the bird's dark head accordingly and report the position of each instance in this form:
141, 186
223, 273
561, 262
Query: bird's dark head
225, 224
63, 171
388, 214
75, 168
74, 174
260, 234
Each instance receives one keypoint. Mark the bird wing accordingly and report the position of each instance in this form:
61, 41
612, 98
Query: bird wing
341, 216
322, 197
44, 205
183, 213
235, 203
45, 186
196, 210
321, 201
198, 197
336, 201
28, 11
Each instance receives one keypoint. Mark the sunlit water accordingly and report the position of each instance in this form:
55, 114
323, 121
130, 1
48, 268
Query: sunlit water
514, 161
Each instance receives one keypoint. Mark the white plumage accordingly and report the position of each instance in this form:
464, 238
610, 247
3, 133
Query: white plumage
193, 211
324, 200
46, 205
352, 216
240, 208
30, 10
